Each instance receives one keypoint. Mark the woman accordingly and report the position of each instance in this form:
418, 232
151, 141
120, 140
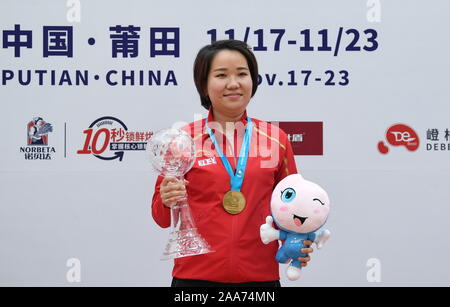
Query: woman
226, 76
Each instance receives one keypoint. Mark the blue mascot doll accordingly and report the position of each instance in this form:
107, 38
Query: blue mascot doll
299, 208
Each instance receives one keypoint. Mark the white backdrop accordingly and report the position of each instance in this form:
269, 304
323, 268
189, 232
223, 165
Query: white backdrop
390, 212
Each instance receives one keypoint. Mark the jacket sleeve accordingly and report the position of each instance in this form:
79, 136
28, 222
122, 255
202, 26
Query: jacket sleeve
160, 213
286, 165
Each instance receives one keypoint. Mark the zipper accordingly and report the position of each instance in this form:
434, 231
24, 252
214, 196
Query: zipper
234, 218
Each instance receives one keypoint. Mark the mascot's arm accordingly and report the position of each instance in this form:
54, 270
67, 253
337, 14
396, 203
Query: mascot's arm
322, 237
267, 232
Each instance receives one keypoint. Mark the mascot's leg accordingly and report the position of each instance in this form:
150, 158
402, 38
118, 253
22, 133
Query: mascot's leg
294, 269
282, 257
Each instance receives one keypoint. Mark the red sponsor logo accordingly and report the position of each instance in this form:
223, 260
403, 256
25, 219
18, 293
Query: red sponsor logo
107, 138
400, 135
306, 137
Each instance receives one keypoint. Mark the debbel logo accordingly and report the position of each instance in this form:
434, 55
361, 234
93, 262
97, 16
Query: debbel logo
400, 135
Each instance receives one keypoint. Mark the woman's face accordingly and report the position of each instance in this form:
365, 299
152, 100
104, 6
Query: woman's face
229, 85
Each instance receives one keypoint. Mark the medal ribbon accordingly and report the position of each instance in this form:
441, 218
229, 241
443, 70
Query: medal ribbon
235, 179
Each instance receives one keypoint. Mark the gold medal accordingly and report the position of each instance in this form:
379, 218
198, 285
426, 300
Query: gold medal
234, 202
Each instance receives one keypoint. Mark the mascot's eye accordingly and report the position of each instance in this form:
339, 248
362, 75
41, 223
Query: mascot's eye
319, 201
288, 195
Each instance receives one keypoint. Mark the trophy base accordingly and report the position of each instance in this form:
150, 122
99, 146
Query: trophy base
184, 243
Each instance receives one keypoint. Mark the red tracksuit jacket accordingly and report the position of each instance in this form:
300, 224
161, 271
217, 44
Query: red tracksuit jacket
239, 255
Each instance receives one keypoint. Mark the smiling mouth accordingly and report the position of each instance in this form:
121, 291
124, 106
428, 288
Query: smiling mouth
299, 220
235, 94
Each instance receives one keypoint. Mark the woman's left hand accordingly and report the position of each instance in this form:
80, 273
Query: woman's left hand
307, 250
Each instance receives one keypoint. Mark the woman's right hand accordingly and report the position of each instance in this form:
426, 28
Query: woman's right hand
172, 190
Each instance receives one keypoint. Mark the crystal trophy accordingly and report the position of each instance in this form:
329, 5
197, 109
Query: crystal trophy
172, 154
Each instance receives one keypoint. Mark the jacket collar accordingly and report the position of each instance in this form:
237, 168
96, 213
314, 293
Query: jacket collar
211, 119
